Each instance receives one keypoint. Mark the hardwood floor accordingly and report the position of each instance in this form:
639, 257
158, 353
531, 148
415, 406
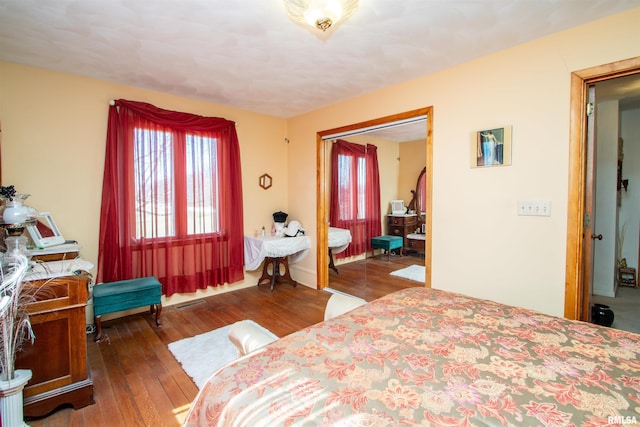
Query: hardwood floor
369, 279
137, 381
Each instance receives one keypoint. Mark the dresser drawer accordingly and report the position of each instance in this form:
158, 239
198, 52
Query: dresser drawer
396, 230
415, 244
402, 220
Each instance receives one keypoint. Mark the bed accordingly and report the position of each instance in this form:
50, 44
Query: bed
422, 356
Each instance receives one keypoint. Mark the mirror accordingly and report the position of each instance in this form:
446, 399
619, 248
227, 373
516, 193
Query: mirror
398, 170
265, 181
419, 197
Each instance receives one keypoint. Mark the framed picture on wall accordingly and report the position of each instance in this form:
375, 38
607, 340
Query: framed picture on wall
491, 147
45, 232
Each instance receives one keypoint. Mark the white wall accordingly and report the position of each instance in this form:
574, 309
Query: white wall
605, 211
629, 211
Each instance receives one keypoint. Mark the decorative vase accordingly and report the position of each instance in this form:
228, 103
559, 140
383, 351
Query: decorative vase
11, 400
602, 315
15, 246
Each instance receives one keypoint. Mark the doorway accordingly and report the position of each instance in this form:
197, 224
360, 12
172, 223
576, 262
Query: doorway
323, 189
579, 227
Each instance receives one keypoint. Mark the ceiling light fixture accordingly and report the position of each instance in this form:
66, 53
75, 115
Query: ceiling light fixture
320, 14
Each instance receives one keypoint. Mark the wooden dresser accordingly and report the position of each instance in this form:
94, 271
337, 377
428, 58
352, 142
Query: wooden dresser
58, 356
415, 242
401, 225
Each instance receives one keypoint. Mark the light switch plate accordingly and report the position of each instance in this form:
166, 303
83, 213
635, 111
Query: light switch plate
534, 207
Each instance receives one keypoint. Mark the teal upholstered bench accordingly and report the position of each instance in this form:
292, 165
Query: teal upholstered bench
123, 295
388, 243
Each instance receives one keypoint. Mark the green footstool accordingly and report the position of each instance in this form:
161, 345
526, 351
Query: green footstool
388, 243
123, 295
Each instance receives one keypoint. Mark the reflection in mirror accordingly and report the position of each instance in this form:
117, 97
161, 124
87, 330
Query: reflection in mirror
419, 197
265, 181
401, 158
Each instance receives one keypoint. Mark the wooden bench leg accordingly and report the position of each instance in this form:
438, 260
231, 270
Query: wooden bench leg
157, 308
98, 334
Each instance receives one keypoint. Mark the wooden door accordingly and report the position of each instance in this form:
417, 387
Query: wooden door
589, 237
576, 300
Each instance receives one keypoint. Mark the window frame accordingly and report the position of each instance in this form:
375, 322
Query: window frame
179, 227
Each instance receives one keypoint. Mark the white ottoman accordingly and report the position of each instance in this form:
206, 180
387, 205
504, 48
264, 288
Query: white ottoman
340, 303
248, 336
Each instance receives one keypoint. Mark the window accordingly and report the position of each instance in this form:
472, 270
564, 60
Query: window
202, 185
355, 194
157, 206
352, 182
171, 199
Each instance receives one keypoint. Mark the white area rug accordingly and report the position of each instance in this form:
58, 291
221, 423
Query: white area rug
413, 272
202, 355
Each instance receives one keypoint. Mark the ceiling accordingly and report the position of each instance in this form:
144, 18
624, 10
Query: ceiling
247, 54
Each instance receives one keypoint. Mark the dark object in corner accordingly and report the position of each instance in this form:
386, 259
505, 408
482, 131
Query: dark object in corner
601, 315
280, 216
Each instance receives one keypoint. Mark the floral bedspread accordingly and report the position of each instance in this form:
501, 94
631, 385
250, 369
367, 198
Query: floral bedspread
427, 357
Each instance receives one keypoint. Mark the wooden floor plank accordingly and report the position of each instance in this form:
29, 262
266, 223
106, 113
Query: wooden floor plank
111, 347
132, 365
93, 414
173, 380
369, 279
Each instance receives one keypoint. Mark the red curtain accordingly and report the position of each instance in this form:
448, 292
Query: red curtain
355, 194
161, 214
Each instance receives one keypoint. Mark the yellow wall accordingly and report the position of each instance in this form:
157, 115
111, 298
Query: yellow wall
481, 246
388, 168
53, 134
53, 144
412, 161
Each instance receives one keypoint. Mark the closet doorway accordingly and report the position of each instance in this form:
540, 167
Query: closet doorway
382, 128
582, 234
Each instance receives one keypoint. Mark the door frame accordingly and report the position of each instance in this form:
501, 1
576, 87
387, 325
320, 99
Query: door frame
322, 213
576, 302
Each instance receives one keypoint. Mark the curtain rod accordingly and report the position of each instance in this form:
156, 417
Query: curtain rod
375, 128
112, 102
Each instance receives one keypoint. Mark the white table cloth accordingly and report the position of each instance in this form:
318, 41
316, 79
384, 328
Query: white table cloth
339, 239
256, 249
